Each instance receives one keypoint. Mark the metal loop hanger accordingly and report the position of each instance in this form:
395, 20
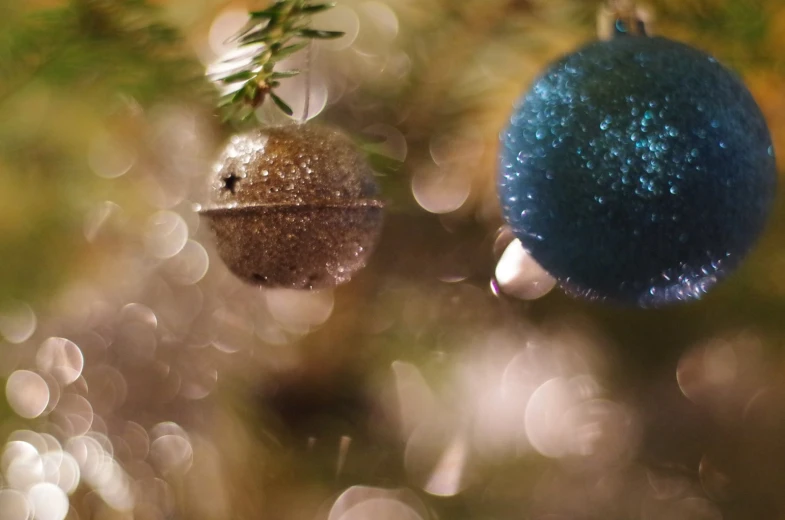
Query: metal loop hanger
619, 18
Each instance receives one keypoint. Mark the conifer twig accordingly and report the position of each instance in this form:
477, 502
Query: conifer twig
247, 75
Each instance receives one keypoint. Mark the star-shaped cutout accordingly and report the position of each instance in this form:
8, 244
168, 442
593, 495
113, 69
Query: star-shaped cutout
230, 183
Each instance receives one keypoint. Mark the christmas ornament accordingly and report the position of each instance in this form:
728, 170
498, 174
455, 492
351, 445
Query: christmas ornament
294, 206
291, 206
637, 170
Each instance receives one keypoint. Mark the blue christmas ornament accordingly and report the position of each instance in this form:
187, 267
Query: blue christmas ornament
637, 170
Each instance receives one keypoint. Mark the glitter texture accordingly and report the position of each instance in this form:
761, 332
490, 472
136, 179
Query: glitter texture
294, 206
637, 170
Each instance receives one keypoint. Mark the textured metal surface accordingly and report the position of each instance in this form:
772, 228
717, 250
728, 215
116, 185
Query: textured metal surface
302, 247
293, 164
638, 170
294, 206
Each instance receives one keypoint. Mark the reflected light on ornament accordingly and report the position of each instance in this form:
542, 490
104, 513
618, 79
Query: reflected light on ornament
520, 276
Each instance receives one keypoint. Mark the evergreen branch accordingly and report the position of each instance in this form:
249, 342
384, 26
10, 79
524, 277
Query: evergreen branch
107, 46
271, 35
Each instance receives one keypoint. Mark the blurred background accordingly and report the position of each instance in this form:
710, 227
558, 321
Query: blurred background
447, 381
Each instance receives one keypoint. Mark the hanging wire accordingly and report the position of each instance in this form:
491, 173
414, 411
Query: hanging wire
308, 81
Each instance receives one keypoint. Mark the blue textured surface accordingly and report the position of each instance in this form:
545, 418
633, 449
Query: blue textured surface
637, 170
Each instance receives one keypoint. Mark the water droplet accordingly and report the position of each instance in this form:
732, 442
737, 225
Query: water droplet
674, 190
540, 134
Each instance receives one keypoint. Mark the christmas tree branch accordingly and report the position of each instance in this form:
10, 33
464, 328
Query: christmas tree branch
115, 46
248, 76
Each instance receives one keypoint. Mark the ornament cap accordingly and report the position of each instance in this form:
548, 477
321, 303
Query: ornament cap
620, 18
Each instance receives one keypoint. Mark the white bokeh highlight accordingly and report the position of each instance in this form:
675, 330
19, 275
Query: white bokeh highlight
27, 393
